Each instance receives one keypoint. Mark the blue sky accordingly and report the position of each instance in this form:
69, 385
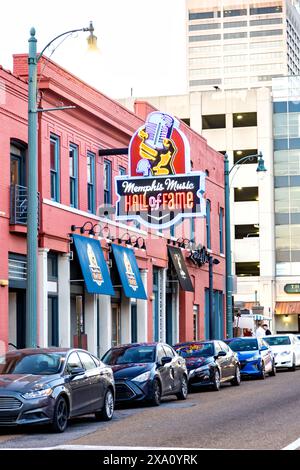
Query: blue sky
142, 43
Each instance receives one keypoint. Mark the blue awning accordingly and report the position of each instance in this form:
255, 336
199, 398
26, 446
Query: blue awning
129, 272
93, 265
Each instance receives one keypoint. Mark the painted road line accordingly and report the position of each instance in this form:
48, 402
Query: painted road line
293, 445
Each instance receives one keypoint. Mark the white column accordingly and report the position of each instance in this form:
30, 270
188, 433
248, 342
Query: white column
90, 314
104, 323
64, 309
125, 319
162, 303
142, 311
175, 314
42, 289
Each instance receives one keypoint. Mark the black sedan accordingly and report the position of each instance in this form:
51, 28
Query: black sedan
210, 363
147, 371
53, 384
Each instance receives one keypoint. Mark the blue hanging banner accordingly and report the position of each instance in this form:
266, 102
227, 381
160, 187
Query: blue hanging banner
93, 266
129, 272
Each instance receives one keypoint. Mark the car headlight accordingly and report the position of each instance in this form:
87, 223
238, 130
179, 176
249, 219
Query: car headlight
143, 377
38, 393
285, 353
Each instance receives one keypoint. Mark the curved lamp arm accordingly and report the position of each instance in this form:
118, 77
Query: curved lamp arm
244, 159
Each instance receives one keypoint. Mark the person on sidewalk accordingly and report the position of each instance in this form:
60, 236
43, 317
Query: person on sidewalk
266, 328
260, 332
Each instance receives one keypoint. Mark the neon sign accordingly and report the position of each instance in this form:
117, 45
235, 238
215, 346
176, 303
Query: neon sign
160, 189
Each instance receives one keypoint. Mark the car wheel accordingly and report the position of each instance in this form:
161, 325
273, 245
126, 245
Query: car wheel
262, 374
108, 408
237, 377
217, 381
273, 371
60, 415
156, 393
293, 368
182, 395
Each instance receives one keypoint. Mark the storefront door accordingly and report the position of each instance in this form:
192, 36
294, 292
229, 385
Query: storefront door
116, 325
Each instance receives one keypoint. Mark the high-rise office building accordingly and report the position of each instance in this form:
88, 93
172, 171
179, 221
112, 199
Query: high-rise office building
241, 43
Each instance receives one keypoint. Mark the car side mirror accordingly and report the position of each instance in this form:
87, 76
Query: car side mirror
264, 348
220, 354
76, 371
165, 360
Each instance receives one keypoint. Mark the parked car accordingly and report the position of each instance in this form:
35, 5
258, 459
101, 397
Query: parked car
286, 349
255, 356
210, 363
50, 385
147, 371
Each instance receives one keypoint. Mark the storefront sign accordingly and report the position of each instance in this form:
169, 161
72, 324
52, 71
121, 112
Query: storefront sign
167, 190
181, 268
129, 272
292, 288
93, 265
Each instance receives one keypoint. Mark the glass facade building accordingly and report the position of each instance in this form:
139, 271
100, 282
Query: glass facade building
286, 122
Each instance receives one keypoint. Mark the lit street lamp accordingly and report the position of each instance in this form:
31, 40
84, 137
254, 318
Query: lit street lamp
32, 175
227, 171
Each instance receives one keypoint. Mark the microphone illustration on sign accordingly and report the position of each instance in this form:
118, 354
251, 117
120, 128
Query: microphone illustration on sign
157, 150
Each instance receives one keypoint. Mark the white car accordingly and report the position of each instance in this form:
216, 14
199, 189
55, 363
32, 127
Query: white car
286, 349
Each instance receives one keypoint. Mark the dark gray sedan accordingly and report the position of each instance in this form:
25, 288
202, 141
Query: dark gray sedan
53, 384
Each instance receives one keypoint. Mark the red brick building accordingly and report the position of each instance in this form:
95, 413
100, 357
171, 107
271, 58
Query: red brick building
73, 183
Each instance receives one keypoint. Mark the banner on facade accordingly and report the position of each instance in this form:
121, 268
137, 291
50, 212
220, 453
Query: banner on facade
93, 265
160, 189
180, 268
129, 272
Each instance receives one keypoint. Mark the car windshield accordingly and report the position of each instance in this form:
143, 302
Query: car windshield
35, 364
277, 340
243, 344
131, 355
196, 350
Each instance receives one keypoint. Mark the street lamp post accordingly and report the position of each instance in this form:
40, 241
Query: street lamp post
227, 171
32, 175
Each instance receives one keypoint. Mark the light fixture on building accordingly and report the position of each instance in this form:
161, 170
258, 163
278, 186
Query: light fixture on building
239, 117
239, 152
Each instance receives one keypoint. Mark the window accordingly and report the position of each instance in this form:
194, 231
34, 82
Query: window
204, 15
122, 171
247, 269
187, 121
91, 170
169, 351
268, 32
54, 167
205, 37
208, 235
204, 26
244, 119
214, 121
195, 322
52, 262
107, 182
248, 193
241, 12
234, 35
221, 230
212, 81
73, 172
246, 231
235, 24
265, 10
266, 21
86, 360
17, 163
53, 329
238, 154
192, 228
73, 362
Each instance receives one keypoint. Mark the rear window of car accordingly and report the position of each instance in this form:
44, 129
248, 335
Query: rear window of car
196, 350
131, 355
243, 344
277, 340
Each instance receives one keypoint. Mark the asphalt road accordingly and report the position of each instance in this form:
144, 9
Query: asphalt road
256, 415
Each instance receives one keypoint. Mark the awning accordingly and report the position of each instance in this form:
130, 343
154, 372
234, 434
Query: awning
129, 272
93, 265
287, 308
180, 268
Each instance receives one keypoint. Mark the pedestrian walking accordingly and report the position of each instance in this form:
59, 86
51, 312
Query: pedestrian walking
266, 328
260, 331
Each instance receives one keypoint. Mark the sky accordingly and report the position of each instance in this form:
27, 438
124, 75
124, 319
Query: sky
142, 48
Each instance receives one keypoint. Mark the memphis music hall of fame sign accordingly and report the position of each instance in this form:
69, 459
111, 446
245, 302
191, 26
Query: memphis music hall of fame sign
160, 189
